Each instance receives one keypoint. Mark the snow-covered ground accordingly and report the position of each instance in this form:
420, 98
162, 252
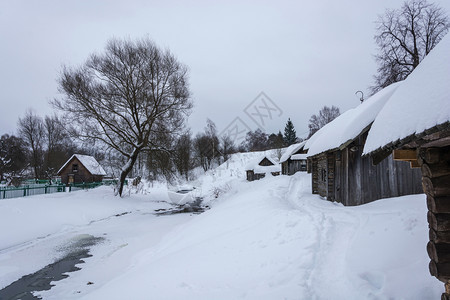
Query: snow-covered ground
268, 239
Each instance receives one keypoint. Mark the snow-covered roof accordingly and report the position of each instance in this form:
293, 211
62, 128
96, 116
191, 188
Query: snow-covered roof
350, 124
291, 150
267, 169
255, 167
299, 156
421, 103
89, 162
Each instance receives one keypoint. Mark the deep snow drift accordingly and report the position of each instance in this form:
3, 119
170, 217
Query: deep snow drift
268, 239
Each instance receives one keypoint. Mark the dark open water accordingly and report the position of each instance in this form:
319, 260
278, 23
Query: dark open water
40, 280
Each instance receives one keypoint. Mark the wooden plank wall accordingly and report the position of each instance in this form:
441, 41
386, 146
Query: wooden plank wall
321, 181
265, 162
331, 176
284, 168
82, 175
357, 181
313, 168
292, 167
295, 166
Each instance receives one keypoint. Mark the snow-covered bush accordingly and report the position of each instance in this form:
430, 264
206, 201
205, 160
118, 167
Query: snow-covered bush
218, 191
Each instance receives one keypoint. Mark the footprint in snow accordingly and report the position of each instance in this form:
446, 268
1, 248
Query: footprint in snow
374, 279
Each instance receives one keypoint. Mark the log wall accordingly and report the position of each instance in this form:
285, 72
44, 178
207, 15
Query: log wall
435, 166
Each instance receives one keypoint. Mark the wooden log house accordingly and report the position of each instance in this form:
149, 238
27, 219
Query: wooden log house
258, 168
418, 132
294, 159
339, 171
81, 169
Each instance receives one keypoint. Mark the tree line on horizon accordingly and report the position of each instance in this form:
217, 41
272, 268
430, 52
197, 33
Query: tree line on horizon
43, 145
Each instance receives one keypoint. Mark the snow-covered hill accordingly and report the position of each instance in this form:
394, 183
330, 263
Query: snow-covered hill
268, 239
227, 174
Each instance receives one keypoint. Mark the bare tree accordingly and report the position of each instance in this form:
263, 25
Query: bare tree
256, 140
227, 147
183, 154
160, 161
54, 132
59, 147
211, 132
404, 37
126, 98
325, 116
276, 141
13, 156
206, 146
31, 130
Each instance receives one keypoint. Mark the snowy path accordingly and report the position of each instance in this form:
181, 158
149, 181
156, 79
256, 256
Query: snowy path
331, 233
268, 239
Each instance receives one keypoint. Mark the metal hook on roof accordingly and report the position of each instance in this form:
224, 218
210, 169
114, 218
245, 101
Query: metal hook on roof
362, 96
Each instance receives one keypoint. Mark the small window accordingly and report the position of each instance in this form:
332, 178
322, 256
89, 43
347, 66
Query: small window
75, 168
323, 175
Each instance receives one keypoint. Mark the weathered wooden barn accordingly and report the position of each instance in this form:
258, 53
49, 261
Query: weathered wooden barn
340, 172
415, 126
294, 159
81, 168
258, 168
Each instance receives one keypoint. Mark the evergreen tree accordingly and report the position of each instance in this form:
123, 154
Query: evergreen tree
290, 136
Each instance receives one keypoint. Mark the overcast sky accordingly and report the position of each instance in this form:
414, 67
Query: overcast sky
301, 54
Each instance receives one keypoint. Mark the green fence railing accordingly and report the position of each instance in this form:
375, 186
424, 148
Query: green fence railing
40, 181
23, 191
83, 186
35, 189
